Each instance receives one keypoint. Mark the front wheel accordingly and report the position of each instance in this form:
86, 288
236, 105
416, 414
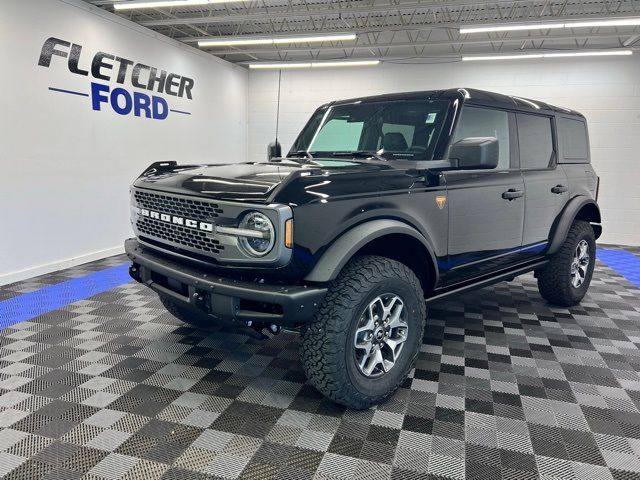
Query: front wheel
564, 281
363, 342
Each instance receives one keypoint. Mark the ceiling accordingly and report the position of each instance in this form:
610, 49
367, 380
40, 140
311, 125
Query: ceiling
398, 31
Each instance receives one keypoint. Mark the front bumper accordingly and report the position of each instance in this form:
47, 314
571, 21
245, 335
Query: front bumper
222, 298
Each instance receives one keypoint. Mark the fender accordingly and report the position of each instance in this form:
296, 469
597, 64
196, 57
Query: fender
565, 220
341, 251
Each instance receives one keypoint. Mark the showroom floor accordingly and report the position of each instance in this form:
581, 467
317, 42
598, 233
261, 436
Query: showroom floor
111, 386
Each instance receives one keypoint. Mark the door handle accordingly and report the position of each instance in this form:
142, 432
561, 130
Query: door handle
560, 189
512, 194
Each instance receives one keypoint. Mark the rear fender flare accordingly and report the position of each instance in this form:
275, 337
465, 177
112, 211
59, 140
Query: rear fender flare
567, 217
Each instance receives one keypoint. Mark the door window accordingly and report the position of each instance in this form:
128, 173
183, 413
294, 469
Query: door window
535, 139
486, 122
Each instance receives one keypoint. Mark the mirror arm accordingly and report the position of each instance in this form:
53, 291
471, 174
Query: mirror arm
435, 165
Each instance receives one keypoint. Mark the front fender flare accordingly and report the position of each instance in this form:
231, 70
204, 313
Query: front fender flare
566, 218
344, 248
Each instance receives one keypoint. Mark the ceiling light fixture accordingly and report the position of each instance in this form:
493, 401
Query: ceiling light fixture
588, 54
511, 28
283, 65
239, 41
620, 22
602, 53
359, 63
167, 3
269, 66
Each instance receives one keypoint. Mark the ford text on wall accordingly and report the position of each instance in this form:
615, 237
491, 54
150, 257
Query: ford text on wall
112, 68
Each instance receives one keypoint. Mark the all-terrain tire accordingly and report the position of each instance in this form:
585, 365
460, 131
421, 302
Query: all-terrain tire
184, 314
554, 279
327, 348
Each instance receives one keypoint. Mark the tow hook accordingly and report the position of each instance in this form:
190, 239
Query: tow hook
258, 328
275, 329
199, 300
134, 272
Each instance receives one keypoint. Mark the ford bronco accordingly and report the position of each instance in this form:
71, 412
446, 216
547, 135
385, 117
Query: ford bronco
382, 203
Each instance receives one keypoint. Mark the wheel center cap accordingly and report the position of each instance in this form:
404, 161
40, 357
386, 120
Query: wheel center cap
379, 334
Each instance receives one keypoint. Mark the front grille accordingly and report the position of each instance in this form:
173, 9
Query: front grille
178, 235
186, 237
182, 207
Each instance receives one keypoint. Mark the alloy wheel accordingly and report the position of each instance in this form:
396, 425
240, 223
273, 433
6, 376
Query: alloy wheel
380, 336
580, 264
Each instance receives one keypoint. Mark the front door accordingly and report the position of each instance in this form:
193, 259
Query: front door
486, 207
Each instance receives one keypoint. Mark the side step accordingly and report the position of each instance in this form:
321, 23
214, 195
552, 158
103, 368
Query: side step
483, 281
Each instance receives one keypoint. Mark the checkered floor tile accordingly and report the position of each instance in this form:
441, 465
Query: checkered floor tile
113, 387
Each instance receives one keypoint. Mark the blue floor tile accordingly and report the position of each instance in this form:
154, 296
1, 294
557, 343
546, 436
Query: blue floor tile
29, 305
623, 262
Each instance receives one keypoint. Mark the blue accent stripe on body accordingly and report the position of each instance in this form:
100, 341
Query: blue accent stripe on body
30, 305
623, 262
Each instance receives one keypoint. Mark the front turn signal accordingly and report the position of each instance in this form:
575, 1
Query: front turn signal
288, 233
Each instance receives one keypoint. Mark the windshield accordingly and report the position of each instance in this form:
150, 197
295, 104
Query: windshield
399, 129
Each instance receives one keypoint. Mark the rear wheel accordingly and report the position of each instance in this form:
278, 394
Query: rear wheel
564, 281
366, 335
184, 314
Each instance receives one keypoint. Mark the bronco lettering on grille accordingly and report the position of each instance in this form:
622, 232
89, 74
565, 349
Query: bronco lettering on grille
187, 222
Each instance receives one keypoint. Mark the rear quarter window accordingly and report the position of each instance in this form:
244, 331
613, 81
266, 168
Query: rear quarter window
573, 138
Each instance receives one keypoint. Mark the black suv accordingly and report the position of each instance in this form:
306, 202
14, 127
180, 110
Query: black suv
381, 203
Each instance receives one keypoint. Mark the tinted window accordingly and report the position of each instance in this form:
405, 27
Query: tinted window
535, 140
339, 134
405, 129
573, 134
485, 122
407, 132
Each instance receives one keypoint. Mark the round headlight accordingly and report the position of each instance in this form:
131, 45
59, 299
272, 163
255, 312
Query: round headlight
262, 243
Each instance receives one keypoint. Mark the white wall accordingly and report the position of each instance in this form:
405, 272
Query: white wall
64, 168
607, 91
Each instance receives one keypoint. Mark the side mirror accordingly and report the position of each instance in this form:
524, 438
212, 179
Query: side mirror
475, 153
274, 150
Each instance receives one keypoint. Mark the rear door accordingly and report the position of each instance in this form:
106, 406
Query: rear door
545, 184
486, 207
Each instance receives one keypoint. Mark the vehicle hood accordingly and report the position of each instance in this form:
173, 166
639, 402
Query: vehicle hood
246, 182
235, 181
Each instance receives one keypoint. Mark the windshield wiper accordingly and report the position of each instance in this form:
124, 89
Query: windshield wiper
359, 153
300, 154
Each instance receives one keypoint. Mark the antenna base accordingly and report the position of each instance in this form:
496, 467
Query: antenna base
274, 150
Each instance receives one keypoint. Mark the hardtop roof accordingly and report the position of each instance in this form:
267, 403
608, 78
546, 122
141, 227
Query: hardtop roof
471, 96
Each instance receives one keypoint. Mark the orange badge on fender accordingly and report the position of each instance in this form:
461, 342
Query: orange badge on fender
440, 201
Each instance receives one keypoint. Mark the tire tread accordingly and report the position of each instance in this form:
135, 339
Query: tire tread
322, 344
554, 279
